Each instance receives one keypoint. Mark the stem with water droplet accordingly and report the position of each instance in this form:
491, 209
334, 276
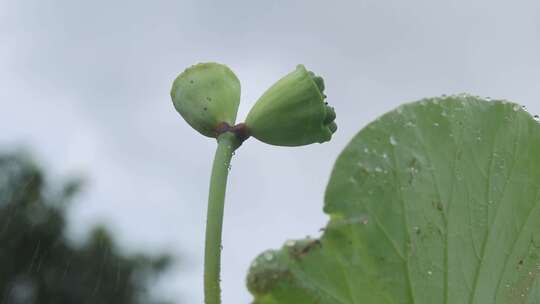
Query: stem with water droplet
227, 143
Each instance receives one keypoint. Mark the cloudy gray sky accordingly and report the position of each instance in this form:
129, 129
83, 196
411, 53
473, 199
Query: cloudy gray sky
85, 85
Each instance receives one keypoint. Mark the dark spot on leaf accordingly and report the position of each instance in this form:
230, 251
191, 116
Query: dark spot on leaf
414, 168
301, 249
437, 205
533, 242
361, 176
263, 279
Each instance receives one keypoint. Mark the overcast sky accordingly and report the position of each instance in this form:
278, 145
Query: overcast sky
85, 85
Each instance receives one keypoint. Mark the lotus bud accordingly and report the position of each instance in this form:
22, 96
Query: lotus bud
293, 112
207, 95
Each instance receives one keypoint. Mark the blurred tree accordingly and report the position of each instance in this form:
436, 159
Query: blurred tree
39, 265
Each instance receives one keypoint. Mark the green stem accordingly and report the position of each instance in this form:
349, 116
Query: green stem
227, 143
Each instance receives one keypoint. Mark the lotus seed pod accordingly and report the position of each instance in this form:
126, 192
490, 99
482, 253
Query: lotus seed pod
206, 95
293, 112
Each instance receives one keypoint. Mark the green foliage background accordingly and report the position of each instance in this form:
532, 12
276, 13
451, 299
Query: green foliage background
37, 263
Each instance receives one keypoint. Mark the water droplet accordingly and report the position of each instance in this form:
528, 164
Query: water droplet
290, 243
478, 139
429, 272
385, 155
365, 221
268, 256
366, 150
254, 264
507, 285
443, 113
378, 169
515, 108
409, 124
436, 124
393, 141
